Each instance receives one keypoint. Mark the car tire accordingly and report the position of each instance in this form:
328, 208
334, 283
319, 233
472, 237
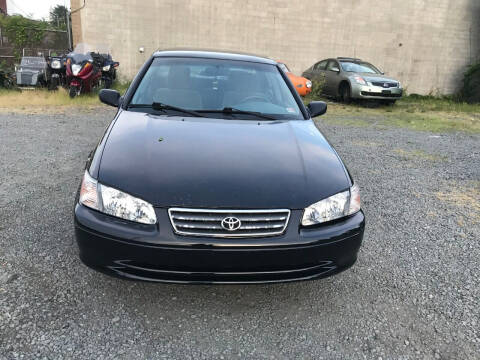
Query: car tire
390, 102
345, 93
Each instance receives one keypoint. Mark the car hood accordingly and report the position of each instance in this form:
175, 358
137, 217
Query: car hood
217, 163
297, 79
376, 77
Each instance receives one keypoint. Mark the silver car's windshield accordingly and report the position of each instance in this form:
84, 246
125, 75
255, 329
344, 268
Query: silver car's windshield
360, 67
214, 84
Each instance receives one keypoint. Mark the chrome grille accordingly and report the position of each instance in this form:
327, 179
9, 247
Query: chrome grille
214, 223
385, 84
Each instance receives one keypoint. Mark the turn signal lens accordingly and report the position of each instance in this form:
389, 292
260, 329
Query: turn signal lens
355, 203
88, 192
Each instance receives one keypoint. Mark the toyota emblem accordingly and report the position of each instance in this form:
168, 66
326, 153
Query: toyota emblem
231, 223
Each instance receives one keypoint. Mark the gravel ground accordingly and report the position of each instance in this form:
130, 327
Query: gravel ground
413, 294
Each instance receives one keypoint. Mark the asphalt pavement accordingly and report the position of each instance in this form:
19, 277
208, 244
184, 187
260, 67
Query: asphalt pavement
413, 294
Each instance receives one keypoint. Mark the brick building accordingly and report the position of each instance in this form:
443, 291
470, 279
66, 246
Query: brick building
427, 44
3, 7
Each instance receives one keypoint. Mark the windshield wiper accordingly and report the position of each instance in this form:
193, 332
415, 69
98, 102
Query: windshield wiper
162, 107
229, 110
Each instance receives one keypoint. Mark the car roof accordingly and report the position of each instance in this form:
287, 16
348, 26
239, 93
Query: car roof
348, 59
214, 54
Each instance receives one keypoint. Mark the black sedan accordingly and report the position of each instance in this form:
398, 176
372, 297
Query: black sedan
212, 171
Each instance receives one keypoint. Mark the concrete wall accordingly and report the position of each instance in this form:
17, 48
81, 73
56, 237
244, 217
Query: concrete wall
425, 43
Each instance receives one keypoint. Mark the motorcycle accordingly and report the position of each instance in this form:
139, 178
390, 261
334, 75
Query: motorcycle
32, 71
57, 71
109, 70
83, 70
6, 79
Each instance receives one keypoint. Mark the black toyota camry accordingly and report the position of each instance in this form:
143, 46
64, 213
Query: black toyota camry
212, 171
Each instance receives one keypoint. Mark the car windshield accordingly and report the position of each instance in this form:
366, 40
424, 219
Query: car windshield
360, 67
200, 84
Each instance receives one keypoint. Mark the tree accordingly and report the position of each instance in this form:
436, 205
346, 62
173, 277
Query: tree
58, 17
22, 32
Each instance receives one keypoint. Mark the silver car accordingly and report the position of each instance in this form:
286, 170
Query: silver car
349, 78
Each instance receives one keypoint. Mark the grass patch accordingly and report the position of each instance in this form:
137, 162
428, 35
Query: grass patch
26, 100
430, 114
467, 198
417, 103
417, 154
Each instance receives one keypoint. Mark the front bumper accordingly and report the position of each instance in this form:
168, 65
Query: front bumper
376, 92
155, 253
303, 90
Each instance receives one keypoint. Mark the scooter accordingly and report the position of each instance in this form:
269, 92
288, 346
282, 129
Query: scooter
6, 79
83, 72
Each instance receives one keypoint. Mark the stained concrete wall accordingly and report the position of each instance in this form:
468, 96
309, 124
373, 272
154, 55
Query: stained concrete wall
427, 44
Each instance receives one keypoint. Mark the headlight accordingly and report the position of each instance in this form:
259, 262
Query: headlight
106, 68
360, 80
115, 202
308, 84
336, 206
76, 69
56, 64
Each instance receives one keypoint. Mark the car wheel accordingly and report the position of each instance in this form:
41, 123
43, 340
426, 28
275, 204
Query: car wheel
345, 93
390, 102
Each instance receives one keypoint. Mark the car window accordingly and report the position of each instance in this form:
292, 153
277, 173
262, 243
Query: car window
360, 67
331, 65
214, 84
320, 65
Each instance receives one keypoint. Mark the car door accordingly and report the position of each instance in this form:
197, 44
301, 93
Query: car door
315, 70
332, 78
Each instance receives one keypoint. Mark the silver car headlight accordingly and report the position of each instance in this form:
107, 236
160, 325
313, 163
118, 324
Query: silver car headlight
106, 68
115, 202
56, 64
360, 80
308, 84
336, 206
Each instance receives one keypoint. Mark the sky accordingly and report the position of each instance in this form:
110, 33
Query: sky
35, 9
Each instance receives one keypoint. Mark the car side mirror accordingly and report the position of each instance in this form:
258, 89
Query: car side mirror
335, 69
109, 97
317, 108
